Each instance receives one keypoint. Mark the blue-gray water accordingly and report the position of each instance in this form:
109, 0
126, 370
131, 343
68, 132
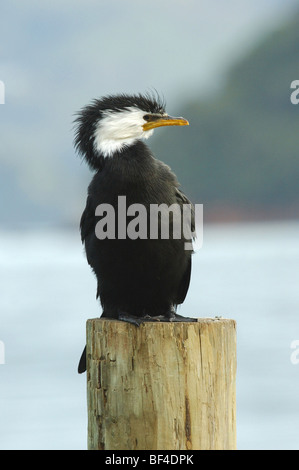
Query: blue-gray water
249, 272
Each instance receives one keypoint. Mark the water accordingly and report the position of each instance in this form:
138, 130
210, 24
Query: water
249, 272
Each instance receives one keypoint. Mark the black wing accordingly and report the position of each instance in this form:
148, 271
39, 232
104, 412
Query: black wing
184, 285
87, 227
182, 199
185, 282
87, 222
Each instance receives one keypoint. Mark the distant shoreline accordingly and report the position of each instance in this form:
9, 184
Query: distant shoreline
213, 213
218, 213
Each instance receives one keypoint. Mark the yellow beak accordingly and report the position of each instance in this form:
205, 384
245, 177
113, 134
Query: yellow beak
165, 121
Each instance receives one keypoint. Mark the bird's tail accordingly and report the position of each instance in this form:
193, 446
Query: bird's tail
82, 362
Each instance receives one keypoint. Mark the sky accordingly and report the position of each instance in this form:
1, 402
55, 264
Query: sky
56, 56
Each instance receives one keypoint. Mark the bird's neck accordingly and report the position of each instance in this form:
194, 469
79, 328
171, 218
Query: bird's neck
125, 159
137, 153
131, 161
128, 155
110, 147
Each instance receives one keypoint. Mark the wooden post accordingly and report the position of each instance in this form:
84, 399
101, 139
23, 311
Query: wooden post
161, 386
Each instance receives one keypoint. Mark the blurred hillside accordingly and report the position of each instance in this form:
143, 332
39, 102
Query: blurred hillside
240, 154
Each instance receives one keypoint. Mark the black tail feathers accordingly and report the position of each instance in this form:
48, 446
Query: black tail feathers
82, 362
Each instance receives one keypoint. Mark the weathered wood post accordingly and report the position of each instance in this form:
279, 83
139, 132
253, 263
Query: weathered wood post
161, 386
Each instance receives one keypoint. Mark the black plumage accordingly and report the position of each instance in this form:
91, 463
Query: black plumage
137, 279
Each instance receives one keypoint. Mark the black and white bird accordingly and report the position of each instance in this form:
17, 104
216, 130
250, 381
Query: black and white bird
138, 279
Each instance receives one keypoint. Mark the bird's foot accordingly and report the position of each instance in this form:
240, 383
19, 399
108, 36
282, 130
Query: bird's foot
170, 316
139, 320
174, 317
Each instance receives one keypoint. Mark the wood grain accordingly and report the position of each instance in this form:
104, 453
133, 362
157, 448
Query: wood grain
161, 386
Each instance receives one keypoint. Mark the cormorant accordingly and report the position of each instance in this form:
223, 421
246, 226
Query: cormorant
139, 278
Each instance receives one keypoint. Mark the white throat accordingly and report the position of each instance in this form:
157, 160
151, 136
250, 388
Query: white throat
119, 129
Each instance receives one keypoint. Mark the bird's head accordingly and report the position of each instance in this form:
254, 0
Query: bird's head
110, 124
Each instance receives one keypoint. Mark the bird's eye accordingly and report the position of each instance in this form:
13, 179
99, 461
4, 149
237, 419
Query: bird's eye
152, 117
